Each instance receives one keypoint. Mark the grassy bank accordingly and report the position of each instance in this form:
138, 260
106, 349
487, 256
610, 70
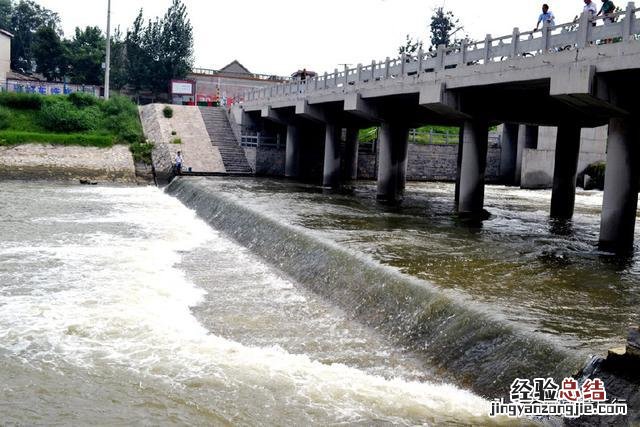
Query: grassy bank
76, 119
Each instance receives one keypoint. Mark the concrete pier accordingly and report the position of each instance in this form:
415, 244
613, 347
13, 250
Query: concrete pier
474, 161
527, 138
292, 160
392, 169
564, 177
621, 186
351, 154
331, 174
509, 156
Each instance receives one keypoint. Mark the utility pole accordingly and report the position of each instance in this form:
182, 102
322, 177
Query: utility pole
107, 68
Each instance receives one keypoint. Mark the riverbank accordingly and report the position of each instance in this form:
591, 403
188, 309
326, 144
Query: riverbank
68, 163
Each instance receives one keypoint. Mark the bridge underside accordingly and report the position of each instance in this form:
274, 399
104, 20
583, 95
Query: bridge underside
591, 87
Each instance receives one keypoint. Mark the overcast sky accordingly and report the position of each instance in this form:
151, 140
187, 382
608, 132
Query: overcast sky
281, 36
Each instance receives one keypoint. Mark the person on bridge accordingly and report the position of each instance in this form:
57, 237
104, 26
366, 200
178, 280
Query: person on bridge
607, 9
546, 18
178, 165
591, 10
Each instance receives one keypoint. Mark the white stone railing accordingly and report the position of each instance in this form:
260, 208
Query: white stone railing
549, 40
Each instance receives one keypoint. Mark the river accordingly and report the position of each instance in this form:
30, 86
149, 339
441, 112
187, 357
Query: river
120, 306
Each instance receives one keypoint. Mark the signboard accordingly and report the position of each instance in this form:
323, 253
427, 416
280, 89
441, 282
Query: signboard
182, 87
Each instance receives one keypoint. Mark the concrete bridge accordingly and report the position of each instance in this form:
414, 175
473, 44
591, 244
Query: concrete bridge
571, 76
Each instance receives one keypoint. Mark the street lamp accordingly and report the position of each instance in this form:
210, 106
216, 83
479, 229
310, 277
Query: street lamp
107, 68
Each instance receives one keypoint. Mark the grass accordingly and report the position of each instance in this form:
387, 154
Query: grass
422, 136
176, 141
77, 119
142, 152
10, 137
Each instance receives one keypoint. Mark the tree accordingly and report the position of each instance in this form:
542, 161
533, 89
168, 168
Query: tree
410, 47
49, 53
5, 14
160, 50
443, 26
119, 76
86, 56
26, 18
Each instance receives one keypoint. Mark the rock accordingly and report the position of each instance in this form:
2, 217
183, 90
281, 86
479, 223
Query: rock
633, 342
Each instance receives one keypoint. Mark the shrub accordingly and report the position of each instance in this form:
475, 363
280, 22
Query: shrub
15, 138
596, 171
117, 105
21, 101
82, 100
176, 141
168, 112
142, 152
5, 118
174, 133
60, 115
126, 127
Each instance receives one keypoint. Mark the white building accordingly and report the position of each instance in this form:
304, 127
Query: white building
5, 55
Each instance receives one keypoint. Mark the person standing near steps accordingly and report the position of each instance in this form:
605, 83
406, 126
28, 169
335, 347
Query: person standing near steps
178, 164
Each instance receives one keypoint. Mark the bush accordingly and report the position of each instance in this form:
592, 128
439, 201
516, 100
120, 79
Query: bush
21, 101
174, 133
126, 127
142, 152
168, 112
15, 138
60, 115
176, 141
596, 172
5, 118
117, 105
82, 100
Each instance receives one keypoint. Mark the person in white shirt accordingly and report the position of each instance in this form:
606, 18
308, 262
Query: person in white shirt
546, 18
590, 9
179, 163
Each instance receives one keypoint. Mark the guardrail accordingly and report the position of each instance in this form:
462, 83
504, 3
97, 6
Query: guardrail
258, 140
573, 35
211, 72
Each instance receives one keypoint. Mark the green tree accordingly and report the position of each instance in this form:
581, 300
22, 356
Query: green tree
119, 76
160, 50
443, 26
5, 14
410, 46
49, 53
26, 18
86, 56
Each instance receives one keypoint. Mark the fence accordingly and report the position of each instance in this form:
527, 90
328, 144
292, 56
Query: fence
574, 35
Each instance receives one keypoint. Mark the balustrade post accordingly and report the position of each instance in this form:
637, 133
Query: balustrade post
326, 80
315, 83
487, 49
359, 73
420, 60
515, 40
582, 34
440, 53
387, 66
627, 23
346, 74
403, 59
335, 77
463, 53
373, 70
546, 33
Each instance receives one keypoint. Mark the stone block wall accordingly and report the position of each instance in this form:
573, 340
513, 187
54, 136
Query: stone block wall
269, 161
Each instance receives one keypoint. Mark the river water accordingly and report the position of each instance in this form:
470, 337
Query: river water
119, 306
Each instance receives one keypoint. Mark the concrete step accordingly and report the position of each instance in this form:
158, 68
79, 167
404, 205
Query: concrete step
222, 137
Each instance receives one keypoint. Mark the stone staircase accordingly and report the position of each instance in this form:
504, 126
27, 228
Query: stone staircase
222, 136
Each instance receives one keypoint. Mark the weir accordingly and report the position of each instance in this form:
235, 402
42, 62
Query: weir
460, 337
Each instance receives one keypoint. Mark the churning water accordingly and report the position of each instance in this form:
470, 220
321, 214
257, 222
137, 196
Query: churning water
120, 306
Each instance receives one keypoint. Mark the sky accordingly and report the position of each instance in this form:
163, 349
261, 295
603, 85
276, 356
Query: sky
282, 36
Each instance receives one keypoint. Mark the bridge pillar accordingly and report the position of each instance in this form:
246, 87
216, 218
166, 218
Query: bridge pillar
475, 141
509, 153
527, 138
331, 174
351, 154
565, 170
292, 157
392, 162
620, 186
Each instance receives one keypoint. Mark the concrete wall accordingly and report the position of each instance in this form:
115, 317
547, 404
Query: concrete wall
432, 163
5, 56
231, 87
538, 164
270, 161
